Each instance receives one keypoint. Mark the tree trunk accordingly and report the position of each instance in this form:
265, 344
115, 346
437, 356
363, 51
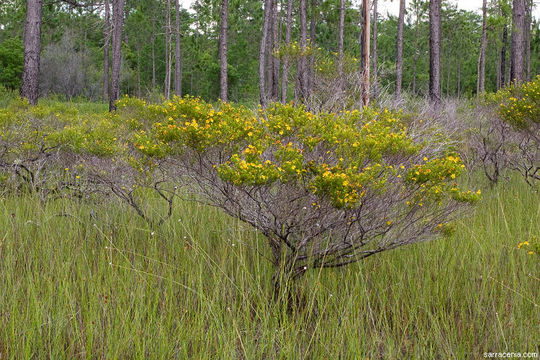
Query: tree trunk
302, 64
32, 51
361, 37
458, 79
311, 62
528, 20
340, 43
139, 94
223, 89
118, 22
275, 60
448, 72
285, 73
374, 51
399, 52
518, 41
504, 80
106, 50
480, 85
365, 60
415, 56
262, 51
269, 57
177, 53
435, 51
498, 68
167, 87
153, 40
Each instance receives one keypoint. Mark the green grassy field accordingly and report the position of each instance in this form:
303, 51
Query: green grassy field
82, 280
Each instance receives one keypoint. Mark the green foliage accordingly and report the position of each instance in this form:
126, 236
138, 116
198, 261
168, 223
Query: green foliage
80, 279
359, 176
520, 104
11, 63
508, 137
338, 156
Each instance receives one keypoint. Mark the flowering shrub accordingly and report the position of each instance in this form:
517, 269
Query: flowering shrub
25, 156
294, 50
520, 105
326, 189
510, 136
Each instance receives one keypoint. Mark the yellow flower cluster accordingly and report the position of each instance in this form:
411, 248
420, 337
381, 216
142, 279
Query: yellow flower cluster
338, 156
532, 246
519, 105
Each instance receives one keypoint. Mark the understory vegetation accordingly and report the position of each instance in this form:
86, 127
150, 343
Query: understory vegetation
83, 280
185, 229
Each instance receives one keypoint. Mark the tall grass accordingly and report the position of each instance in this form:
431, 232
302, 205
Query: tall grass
82, 280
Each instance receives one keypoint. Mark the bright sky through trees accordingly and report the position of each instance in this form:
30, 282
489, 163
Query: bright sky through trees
392, 6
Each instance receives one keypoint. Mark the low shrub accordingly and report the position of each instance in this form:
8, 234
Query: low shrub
326, 189
509, 137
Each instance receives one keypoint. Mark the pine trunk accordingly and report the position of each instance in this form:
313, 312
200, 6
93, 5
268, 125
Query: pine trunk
518, 41
32, 51
285, 73
117, 22
167, 86
480, 86
177, 53
415, 56
435, 51
223, 84
262, 51
399, 52
374, 51
269, 57
365, 60
275, 60
458, 90
504, 79
106, 50
311, 62
139, 94
340, 43
302, 64
528, 21
153, 41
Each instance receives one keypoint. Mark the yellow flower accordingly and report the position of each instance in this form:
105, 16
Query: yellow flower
453, 176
